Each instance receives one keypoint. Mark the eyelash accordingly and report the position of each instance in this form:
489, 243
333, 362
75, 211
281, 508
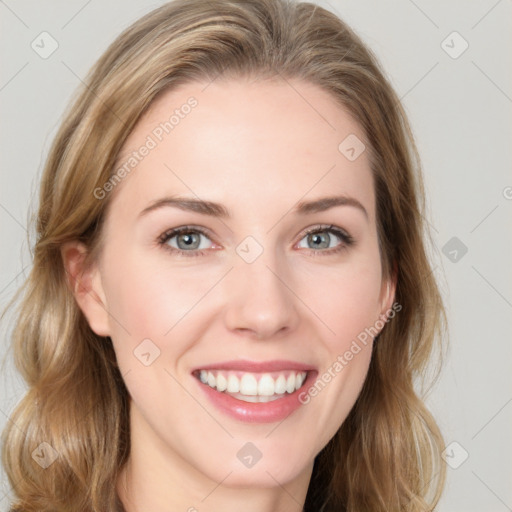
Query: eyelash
346, 240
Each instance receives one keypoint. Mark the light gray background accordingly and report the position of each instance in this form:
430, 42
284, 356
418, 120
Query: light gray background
460, 109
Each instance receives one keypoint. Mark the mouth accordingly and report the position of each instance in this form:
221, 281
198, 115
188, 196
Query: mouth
255, 392
255, 387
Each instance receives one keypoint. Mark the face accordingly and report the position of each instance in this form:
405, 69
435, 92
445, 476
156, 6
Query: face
257, 277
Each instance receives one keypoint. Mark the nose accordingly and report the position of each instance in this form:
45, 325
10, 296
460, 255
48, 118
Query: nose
261, 303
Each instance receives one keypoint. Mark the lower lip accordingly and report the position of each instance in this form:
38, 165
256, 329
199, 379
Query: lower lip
260, 412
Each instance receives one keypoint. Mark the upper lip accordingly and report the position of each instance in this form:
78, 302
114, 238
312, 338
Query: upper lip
257, 367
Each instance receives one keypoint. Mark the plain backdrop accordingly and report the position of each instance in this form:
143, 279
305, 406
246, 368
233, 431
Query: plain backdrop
450, 62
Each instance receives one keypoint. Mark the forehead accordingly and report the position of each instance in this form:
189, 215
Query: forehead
243, 142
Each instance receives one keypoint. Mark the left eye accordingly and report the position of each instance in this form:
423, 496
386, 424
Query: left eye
322, 237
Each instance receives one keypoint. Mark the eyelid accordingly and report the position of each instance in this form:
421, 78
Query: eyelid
171, 233
329, 227
346, 239
184, 229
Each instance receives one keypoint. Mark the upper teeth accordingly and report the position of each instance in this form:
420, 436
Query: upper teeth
248, 383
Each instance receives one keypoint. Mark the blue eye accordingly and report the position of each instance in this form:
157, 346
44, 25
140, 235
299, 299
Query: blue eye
321, 237
188, 240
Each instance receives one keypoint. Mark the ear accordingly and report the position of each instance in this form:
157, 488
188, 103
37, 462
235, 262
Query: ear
387, 293
86, 286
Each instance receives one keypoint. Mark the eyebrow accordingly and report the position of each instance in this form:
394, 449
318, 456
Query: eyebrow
217, 210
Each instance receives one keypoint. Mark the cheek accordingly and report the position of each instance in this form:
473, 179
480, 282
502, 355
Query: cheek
347, 303
148, 298
345, 298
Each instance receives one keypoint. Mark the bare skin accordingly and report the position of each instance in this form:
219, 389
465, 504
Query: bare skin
257, 148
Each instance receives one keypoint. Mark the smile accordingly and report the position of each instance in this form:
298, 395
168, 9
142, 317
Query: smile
253, 387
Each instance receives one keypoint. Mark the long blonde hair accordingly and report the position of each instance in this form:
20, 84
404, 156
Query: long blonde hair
386, 456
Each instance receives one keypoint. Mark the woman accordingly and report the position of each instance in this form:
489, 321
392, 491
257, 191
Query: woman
231, 298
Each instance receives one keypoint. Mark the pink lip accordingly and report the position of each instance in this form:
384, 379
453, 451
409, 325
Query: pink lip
257, 367
263, 412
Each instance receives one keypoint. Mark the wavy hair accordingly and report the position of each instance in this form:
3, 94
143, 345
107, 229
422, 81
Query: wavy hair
386, 456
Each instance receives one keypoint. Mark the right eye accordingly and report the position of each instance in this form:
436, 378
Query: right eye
187, 240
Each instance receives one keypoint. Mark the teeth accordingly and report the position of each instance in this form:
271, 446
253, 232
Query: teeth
257, 386
249, 385
290, 384
257, 398
280, 385
266, 385
233, 384
222, 383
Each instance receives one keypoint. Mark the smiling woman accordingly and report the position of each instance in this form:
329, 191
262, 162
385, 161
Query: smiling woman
230, 303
